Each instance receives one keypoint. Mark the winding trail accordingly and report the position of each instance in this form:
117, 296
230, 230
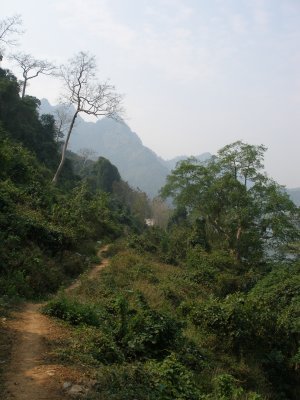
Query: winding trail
30, 376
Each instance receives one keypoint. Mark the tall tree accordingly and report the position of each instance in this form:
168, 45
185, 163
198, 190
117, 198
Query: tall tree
86, 94
244, 211
31, 68
243, 161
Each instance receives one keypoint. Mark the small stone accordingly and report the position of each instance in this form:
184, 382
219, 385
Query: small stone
76, 390
67, 385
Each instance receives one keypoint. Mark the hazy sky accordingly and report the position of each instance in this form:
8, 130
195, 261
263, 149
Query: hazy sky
196, 74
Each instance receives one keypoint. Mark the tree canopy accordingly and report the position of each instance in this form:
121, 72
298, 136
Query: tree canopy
243, 210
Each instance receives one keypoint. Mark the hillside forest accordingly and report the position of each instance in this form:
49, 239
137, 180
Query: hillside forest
203, 305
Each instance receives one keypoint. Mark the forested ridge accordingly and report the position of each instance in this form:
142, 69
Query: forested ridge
204, 305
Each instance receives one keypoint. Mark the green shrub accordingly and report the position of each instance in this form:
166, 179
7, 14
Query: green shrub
91, 346
172, 380
15, 285
226, 388
190, 355
232, 320
150, 334
166, 380
73, 312
124, 382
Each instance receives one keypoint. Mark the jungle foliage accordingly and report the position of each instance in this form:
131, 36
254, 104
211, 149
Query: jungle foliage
204, 329
236, 206
48, 233
203, 309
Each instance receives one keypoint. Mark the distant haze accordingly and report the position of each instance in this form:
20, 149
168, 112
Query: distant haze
196, 74
137, 164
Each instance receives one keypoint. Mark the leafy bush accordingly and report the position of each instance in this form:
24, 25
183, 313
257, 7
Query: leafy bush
165, 380
172, 380
124, 382
91, 346
15, 285
149, 241
73, 312
231, 320
150, 334
226, 388
190, 355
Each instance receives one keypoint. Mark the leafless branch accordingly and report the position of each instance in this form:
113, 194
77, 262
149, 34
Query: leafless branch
63, 117
87, 154
32, 67
86, 94
9, 28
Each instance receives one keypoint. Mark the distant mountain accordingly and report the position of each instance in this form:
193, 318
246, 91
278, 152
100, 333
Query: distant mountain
138, 165
294, 195
171, 164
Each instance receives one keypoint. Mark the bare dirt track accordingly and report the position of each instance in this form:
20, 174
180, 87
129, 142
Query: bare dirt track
30, 375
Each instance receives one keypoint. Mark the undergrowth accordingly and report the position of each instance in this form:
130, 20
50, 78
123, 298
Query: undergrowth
134, 329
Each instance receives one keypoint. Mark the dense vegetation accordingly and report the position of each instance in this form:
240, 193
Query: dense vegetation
48, 232
203, 309
204, 329
206, 308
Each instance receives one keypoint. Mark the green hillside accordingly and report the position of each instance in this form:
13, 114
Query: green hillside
48, 232
203, 307
203, 329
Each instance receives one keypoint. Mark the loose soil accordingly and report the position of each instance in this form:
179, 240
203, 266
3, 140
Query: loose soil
30, 374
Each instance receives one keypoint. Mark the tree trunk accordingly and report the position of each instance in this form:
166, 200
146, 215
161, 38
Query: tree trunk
64, 150
24, 88
238, 236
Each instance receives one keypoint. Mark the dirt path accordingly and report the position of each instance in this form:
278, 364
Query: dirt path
30, 376
93, 272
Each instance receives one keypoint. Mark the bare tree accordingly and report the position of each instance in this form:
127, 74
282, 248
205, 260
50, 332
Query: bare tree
88, 96
9, 28
160, 212
87, 154
31, 68
63, 117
